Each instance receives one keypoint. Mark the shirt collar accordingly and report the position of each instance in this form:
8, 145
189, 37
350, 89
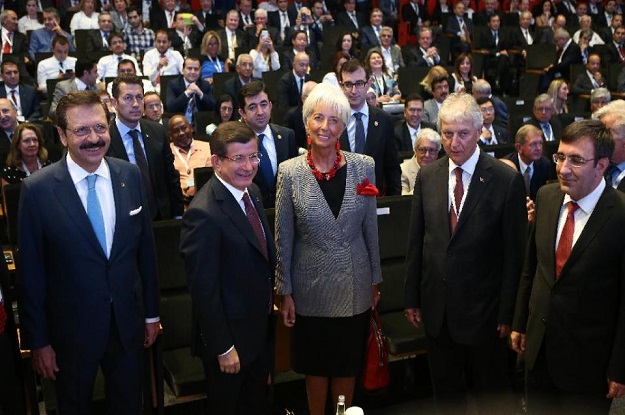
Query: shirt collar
236, 193
588, 202
124, 129
522, 165
364, 110
77, 173
80, 84
469, 165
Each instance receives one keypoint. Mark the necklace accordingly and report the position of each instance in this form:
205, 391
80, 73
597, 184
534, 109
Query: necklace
324, 176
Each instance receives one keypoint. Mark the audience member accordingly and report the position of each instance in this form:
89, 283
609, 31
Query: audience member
392, 54
108, 65
347, 44
291, 85
162, 60
30, 20
415, 13
188, 94
300, 44
211, 61
8, 124
282, 19
559, 93
592, 78
333, 77
406, 131
437, 71
190, 154
315, 189
568, 54
265, 56
275, 143
153, 109
440, 91
119, 14
163, 15
607, 32
41, 39
126, 66
528, 158
85, 18
481, 89
234, 41
23, 96
462, 79
294, 118
370, 34
27, 154
613, 51
100, 39
483, 17
383, 83
58, 66
210, 17
599, 98
185, 36
369, 129
466, 311
491, 134
423, 54
497, 62
138, 39
146, 144
256, 34
613, 116
460, 28
426, 148
85, 80
232, 86
543, 118
350, 19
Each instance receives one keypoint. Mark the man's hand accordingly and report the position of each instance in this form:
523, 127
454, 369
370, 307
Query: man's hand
615, 390
193, 89
151, 331
44, 362
531, 209
163, 62
517, 342
287, 308
413, 315
229, 363
504, 330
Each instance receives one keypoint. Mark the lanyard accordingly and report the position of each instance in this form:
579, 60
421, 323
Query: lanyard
184, 162
216, 63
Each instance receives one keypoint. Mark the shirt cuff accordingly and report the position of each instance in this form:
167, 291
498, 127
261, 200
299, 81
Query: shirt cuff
227, 351
152, 320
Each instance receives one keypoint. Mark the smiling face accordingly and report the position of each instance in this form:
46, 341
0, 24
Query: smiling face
28, 144
532, 148
324, 127
191, 70
375, 62
8, 115
180, 132
238, 175
413, 111
89, 150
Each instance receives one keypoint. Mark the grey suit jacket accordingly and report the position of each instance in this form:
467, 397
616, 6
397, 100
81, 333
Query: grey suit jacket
396, 56
409, 170
62, 88
430, 113
328, 264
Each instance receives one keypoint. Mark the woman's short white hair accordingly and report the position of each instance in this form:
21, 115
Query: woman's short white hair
327, 95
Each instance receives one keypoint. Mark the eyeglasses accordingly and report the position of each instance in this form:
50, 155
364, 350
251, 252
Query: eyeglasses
349, 85
543, 109
424, 150
576, 161
385, 35
85, 131
240, 160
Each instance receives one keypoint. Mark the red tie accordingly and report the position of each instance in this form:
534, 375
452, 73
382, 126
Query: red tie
566, 238
621, 54
254, 220
3, 317
13, 98
458, 193
7, 45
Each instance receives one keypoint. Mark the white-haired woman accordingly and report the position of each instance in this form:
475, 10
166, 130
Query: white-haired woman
327, 249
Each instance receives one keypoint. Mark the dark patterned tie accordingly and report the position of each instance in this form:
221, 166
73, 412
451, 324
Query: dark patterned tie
360, 134
458, 193
254, 220
142, 163
265, 163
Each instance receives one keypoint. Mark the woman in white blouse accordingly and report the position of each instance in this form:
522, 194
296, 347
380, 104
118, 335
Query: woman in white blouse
86, 18
30, 21
264, 56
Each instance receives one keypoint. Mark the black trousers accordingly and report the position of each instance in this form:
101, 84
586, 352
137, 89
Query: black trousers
11, 397
544, 398
123, 375
479, 369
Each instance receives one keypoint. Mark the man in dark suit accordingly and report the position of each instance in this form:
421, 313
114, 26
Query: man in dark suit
464, 260
98, 40
146, 144
300, 44
276, 143
461, 30
528, 158
481, 18
244, 68
294, 119
424, 53
370, 34
91, 297
8, 124
189, 94
415, 13
350, 19
407, 130
495, 41
607, 31
184, 37
282, 19
234, 41
232, 299
291, 85
162, 14
491, 134
613, 116
370, 130
542, 117
23, 96
613, 51
569, 324
208, 16
591, 79
568, 54
18, 47
482, 89
246, 14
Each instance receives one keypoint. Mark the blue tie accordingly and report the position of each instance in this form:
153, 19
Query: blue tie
265, 163
360, 134
94, 211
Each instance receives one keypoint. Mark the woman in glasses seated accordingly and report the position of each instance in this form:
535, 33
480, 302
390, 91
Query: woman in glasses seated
26, 154
327, 251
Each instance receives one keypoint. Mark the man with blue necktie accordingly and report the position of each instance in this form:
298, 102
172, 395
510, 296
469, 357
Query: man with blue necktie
89, 266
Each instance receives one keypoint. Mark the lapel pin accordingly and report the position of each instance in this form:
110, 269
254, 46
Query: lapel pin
481, 180
375, 123
279, 137
123, 184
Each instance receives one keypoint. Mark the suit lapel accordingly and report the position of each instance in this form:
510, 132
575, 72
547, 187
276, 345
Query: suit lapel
479, 183
280, 143
117, 148
122, 210
372, 131
600, 215
442, 191
232, 210
66, 192
551, 216
151, 151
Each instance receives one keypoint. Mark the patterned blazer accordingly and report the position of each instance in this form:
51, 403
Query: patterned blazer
327, 264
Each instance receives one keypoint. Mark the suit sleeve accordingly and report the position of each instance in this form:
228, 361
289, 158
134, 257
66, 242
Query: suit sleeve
177, 100
514, 230
616, 366
283, 87
56, 97
521, 310
200, 246
285, 232
414, 255
34, 327
207, 97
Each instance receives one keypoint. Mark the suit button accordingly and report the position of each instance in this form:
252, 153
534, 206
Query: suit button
345, 244
444, 281
544, 320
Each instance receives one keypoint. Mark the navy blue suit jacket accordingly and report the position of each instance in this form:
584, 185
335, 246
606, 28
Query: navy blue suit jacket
29, 101
72, 291
177, 101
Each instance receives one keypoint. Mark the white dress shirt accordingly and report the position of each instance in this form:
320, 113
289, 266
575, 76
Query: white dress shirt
127, 139
107, 65
151, 59
49, 69
586, 205
270, 145
262, 65
17, 103
468, 168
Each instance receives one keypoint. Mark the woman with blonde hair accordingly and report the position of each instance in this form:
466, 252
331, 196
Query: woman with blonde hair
211, 61
559, 93
434, 72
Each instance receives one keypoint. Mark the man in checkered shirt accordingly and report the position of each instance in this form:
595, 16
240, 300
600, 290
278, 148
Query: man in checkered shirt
139, 39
